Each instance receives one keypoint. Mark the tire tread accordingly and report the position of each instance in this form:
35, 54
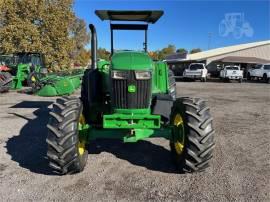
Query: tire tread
199, 132
63, 138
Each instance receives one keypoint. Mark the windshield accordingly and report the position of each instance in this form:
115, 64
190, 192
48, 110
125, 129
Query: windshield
258, 67
7, 60
232, 68
24, 59
196, 66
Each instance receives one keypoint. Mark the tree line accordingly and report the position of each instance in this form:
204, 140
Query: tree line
45, 26
52, 28
155, 55
171, 49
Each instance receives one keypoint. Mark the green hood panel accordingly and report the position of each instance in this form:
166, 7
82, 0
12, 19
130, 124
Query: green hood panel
131, 60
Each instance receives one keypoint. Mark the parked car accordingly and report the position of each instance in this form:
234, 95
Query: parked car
196, 71
231, 72
261, 71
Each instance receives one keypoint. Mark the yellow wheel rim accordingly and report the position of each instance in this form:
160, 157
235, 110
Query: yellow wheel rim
178, 144
178, 120
179, 147
33, 79
82, 120
81, 146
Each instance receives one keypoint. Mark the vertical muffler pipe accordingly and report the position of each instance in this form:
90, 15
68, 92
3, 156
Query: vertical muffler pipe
93, 46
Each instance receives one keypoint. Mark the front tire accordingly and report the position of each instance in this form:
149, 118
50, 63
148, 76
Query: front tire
33, 79
191, 152
248, 76
203, 79
67, 153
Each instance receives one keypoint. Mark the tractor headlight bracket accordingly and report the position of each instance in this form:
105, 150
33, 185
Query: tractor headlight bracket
143, 75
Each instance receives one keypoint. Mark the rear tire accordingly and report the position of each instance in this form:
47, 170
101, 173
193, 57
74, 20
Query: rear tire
5, 81
265, 79
198, 141
63, 137
172, 84
248, 76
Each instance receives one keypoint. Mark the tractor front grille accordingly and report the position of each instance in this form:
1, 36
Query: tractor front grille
122, 99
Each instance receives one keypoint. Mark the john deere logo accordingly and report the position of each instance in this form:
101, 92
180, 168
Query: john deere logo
131, 88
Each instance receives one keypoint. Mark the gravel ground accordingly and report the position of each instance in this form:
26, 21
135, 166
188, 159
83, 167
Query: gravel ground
240, 169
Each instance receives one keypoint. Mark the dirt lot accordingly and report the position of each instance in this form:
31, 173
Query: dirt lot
115, 171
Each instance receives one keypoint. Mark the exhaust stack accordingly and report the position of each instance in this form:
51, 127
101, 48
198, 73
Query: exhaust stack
93, 46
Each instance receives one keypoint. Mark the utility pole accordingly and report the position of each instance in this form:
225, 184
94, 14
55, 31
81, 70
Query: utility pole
209, 39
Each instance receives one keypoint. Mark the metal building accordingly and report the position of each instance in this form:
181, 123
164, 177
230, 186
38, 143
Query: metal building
245, 55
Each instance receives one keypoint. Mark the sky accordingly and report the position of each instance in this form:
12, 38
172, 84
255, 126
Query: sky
185, 24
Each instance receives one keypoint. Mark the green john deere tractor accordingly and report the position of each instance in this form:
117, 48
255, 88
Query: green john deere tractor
131, 98
24, 66
19, 68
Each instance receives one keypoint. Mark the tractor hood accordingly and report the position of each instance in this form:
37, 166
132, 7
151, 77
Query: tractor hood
131, 60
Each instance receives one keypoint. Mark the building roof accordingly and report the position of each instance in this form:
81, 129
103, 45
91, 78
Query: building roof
220, 51
237, 59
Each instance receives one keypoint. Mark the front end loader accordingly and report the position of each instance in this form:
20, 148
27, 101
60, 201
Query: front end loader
131, 98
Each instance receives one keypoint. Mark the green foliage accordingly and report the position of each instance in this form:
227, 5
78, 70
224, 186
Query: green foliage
161, 54
80, 37
181, 51
49, 27
154, 55
195, 50
168, 50
83, 58
103, 54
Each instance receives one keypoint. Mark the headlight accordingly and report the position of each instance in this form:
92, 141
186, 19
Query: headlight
143, 75
119, 75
